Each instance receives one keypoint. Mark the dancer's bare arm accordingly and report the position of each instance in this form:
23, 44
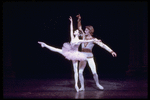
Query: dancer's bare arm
79, 23
71, 28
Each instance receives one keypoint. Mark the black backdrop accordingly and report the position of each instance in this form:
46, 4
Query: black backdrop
26, 23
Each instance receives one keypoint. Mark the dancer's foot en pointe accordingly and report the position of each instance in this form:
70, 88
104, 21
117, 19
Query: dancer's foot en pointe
77, 88
100, 87
42, 44
81, 89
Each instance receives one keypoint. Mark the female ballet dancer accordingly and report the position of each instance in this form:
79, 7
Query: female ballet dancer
70, 50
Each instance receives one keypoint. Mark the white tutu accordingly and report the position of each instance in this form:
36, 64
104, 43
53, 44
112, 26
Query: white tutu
71, 52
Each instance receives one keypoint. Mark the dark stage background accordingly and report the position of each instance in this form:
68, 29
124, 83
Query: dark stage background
120, 25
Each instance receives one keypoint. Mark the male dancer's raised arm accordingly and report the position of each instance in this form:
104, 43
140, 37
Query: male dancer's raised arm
71, 28
79, 23
80, 28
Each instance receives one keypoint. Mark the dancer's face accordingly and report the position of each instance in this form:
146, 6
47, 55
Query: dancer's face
87, 31
76, 32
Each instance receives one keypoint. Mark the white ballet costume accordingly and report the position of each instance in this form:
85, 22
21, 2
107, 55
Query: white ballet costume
70, 52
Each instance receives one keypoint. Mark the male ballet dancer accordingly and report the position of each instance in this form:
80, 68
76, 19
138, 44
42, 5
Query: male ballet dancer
87, 49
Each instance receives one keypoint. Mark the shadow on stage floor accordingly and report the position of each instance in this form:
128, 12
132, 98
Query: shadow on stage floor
64, 88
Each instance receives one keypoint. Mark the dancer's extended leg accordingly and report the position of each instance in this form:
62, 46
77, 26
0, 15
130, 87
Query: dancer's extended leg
75, 67
82, 65
94, 72
50, 47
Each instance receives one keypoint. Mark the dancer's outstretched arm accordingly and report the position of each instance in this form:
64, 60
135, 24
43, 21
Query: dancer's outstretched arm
104, 46
92, 40
71, 28
50, 47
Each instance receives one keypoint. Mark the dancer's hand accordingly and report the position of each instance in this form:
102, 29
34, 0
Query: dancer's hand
79, 17
114, 54
42, 44
70, 18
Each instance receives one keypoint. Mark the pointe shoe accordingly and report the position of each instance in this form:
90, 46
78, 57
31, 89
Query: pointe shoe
100, 87
77, 88
42, 45
81, 89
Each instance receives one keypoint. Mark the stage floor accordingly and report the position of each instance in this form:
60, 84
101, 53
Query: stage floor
64, 89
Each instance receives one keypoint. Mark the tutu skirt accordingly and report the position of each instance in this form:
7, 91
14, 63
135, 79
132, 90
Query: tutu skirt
71, 52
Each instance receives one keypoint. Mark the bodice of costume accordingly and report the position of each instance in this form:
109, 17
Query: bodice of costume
87, 46
74, 46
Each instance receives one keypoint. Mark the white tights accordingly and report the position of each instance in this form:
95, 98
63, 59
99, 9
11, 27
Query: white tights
82, 65
75, 63
53, 49
92, 66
